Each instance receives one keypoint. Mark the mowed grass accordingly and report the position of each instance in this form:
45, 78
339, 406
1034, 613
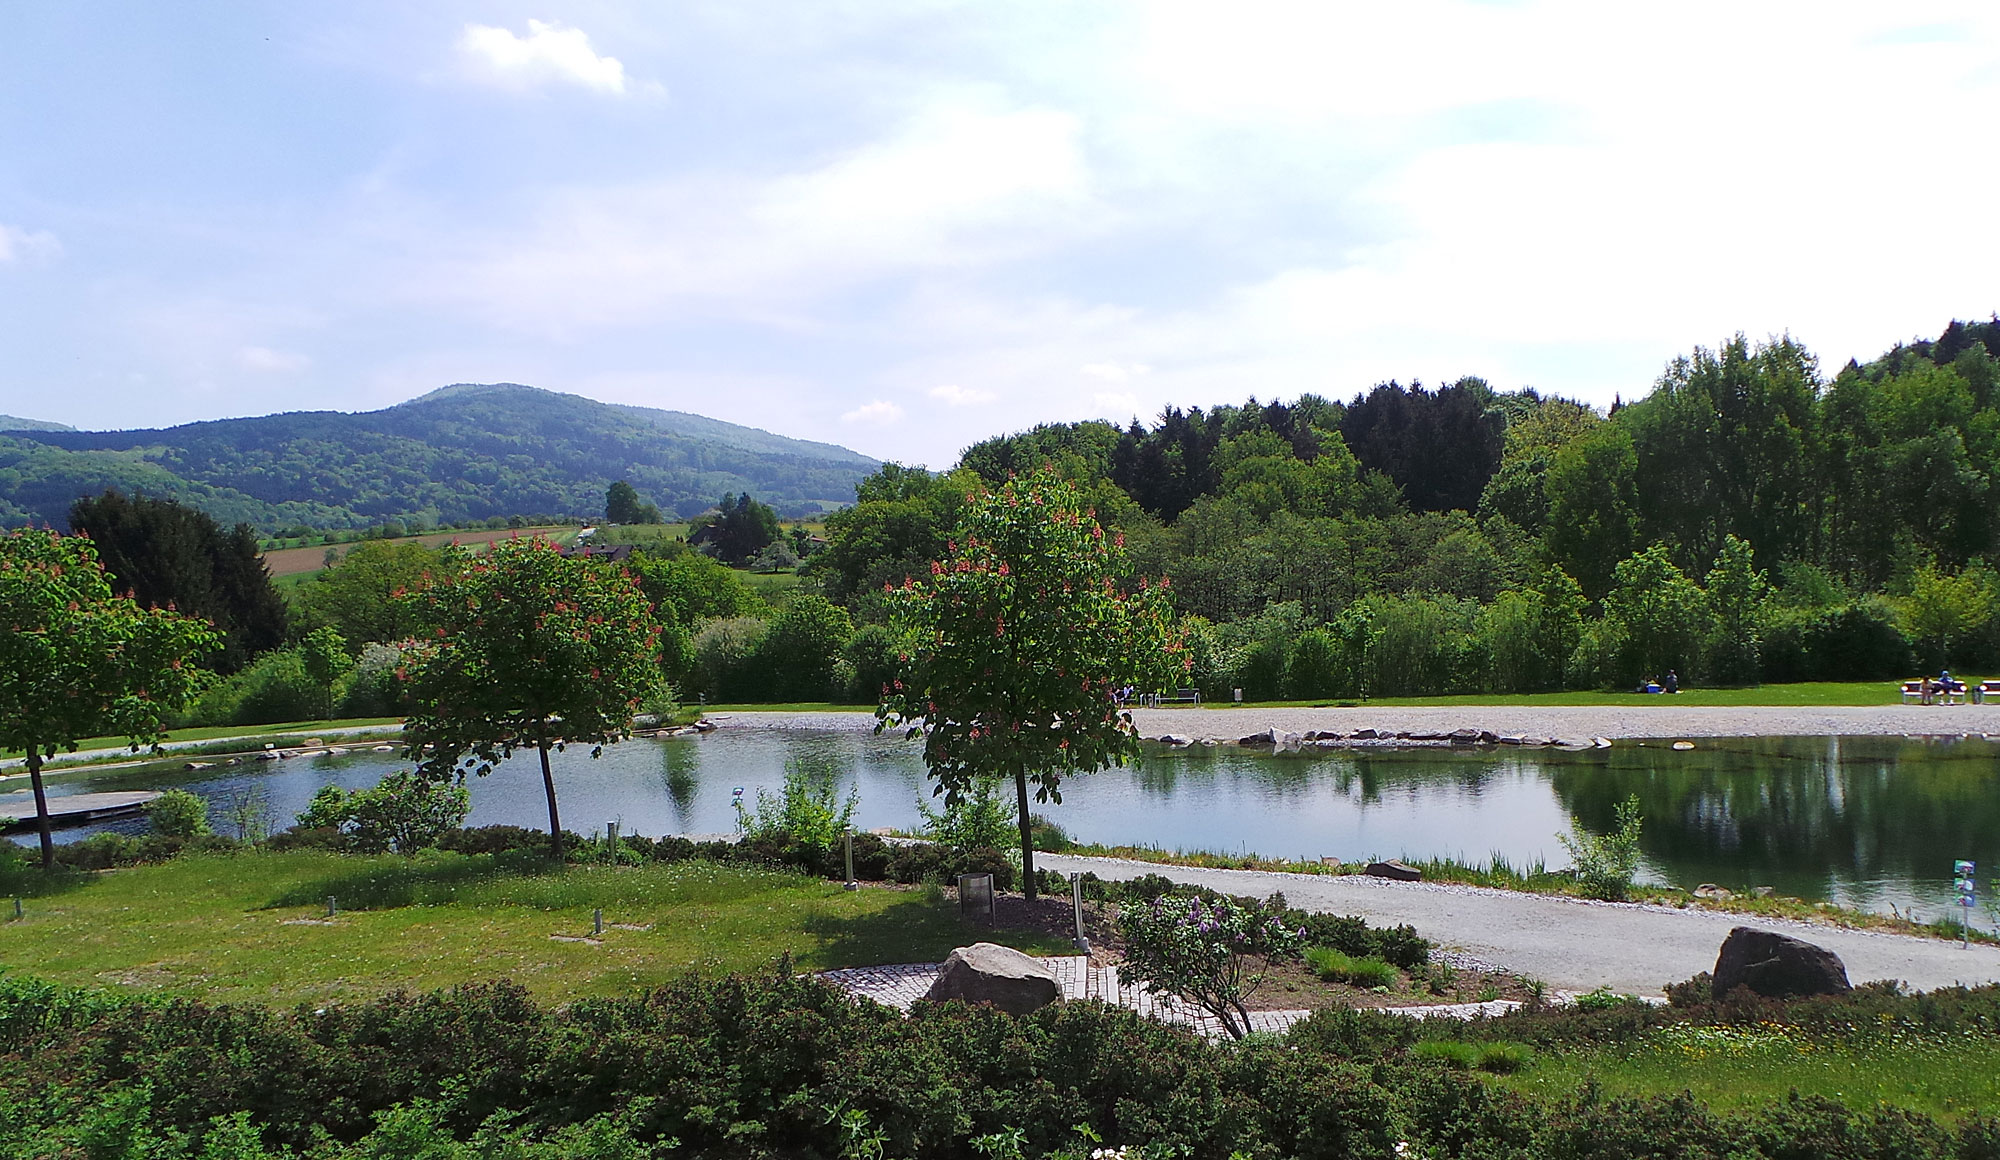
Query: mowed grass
1730, 1068
259, 733
252, 927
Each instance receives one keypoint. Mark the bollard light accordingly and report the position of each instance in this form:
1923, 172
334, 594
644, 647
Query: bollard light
332, 907
851, 883
597, 921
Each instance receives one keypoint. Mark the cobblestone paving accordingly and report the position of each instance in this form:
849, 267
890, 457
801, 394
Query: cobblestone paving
899, 985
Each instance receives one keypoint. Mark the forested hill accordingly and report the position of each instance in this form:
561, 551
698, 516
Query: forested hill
461, 453
16, 423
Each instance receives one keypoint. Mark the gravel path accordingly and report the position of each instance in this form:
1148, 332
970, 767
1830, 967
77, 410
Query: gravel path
1569, 943
1657, 718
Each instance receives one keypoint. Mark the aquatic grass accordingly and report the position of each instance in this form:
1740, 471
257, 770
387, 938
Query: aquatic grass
1499, 1057
1356, 971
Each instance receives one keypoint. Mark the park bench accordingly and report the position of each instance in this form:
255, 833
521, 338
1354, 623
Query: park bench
1178, 696
1932, 693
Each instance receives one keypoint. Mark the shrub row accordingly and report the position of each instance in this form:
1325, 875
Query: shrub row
781, 1065
1401, 945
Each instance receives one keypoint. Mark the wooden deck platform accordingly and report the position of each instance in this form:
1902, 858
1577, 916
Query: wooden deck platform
17, 810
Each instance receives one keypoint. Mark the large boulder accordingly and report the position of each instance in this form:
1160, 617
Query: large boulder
1002, 976
1396, 869
1777, 965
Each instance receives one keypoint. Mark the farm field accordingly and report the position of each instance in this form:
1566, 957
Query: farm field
303, 561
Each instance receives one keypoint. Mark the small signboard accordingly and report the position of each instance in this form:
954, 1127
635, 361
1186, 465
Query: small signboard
975, 896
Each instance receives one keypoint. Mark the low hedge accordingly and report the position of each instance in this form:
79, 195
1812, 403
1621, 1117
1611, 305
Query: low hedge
776, 1064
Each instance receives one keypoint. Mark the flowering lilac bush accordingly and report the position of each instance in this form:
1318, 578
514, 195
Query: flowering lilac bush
1206, 951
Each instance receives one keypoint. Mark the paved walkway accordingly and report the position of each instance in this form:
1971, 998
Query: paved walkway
251, 742
901, 985
1571, 944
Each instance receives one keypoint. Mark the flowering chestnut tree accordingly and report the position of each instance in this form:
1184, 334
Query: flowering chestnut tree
1202, 950
77, 660
525, 647
1017, 645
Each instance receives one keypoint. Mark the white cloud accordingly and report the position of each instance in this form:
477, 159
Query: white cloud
955, 396
264, 359
1123, 404
953, 190
19, 245
548, 53
878, 413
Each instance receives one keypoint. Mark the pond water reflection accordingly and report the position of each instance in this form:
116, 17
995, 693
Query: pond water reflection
1870, 822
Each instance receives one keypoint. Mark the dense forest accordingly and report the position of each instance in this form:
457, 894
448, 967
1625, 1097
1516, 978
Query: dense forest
1751, 518
459, 454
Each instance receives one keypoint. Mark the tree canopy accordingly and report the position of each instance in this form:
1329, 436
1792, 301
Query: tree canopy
526, 648
1020, 644
77, 660
171, 556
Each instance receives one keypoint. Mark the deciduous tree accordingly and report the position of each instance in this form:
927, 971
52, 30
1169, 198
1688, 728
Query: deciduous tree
77, 660
1019, 644
526, 648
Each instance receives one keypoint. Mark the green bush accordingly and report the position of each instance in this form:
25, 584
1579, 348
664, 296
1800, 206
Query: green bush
808, 810
1606, 863
980, 817
402, 811
1201, 949
176, 813
1335, 967
779, 1064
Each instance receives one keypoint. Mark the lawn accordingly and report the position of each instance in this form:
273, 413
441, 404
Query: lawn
1732, 1068
260, 733
253, 927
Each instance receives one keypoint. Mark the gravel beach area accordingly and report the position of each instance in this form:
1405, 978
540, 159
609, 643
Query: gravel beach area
1567, 722
1572, 944
1569, 943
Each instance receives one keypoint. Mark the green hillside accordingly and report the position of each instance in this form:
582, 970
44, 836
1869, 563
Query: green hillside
462, 453
16, 423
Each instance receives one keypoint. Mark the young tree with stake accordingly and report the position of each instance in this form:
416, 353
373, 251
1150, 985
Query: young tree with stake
526, 648
77, 660
1018, 644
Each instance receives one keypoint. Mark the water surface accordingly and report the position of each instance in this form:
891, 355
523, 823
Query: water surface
1869, 822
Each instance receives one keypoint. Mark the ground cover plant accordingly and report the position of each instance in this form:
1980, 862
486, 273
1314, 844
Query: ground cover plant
772, 1064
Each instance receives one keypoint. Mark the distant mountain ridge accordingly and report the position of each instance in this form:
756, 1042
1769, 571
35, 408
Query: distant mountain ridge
463, 452
16, 423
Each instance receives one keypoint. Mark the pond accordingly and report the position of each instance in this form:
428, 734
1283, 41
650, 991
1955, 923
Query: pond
1871, 822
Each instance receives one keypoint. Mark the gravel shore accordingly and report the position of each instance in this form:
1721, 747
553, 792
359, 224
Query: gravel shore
1570, 723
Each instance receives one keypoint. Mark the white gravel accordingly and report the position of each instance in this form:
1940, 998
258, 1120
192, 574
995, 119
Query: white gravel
1656, 718
1569, 943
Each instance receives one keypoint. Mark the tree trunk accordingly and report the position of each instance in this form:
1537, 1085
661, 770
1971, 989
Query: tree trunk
41, 808
549, 786
1027, 833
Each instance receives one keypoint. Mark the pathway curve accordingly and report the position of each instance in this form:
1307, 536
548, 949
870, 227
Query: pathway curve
1569, 943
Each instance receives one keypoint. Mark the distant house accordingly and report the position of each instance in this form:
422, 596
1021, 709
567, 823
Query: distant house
616, 553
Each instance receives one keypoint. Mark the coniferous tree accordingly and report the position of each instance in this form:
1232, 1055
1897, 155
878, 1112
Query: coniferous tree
170, 556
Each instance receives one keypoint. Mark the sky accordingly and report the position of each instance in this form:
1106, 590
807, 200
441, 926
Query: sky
905, 227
